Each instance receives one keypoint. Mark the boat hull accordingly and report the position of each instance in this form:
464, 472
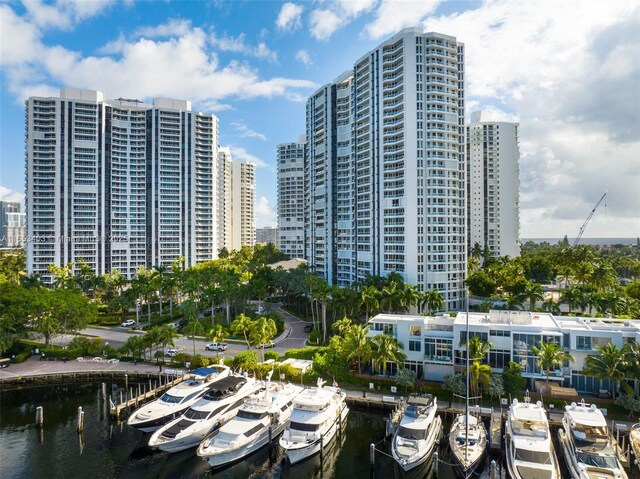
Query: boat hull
297, 454
226, 458
414, 461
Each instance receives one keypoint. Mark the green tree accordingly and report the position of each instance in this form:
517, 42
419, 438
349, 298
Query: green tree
480, 376
550, 356
193, 329
608, 364
481, 284
369, 298
478, 348
496, 386
433, 300
217, 334
455, 383
262, 330
358, 345
406, 378
242, 325
387, 349
512, 379
533, 293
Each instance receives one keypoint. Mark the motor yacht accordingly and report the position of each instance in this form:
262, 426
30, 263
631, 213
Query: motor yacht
218, 405
468, 443
588, 448
418, 433
177, 399
530, 452
259, 420
318, 414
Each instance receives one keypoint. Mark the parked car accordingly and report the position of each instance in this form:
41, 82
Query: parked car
172, 352
174, 325
268, 344
216, 347
308, 328
127, 323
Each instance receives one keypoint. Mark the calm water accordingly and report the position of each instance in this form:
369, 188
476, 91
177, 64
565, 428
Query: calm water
107, 450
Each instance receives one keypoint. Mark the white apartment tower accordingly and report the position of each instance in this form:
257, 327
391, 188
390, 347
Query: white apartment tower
291, 200
386, 166
225, 199
118, 183
244, 204
493, 184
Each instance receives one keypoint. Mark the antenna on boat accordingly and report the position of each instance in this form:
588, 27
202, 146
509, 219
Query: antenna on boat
266, 389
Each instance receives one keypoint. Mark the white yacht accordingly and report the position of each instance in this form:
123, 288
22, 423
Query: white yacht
260, 419
177, 399
530, 452
219, 404
318, 413
588, 448
468, 444
418, 433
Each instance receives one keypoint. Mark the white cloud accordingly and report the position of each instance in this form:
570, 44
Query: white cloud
7, 194
265, 214
62, 14
173, 28
238, 44
565, 72
181, 66
245, 132
334, 15
304, 57
393, 15
289, 18
239, 153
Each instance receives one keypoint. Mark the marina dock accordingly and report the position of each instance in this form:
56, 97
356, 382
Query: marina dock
129, 398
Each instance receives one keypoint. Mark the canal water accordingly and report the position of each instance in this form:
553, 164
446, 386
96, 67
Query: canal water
107, 450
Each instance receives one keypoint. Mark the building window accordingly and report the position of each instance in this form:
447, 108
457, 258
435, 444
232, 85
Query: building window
499, 333
386, 328
499, 358
438, 350
415, 330
583, 343
414, 346
472, 334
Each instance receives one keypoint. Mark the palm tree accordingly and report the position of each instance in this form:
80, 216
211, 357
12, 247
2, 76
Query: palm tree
357, 345
369, 298
602, 276
387, 350
262, 330
31, 281
480, 375
167, 334
573, 296
478, 348
189, 310
217, 334
159, 279
391, 299
432, 300
551, 306
342, 326
609, 364
242, 326
514, 302
550, 356
533, 293
135, 346
193, 329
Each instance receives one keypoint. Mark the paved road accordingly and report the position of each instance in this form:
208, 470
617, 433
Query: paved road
293, 337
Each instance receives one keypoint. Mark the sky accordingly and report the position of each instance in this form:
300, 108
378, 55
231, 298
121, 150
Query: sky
567, 71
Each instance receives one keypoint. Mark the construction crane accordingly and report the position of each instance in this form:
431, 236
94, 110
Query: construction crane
584, 225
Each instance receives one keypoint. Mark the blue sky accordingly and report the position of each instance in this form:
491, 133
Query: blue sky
568, 72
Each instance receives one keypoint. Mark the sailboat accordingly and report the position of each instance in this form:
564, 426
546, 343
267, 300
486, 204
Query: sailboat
468, 436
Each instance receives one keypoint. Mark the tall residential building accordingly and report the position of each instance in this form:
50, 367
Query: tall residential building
267, 235
493, 185
244, 204
12, 225
291, 198
236, 202
384, 177
118, 183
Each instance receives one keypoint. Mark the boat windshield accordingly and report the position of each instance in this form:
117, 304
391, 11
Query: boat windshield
595, 460
415, 434
300, 426
250, 415
538, 457
414, 411
168, 398
195, 414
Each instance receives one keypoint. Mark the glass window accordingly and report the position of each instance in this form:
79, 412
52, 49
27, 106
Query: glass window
414, 346
499, 358
583, 343
438, 350
415, 330
299, 426
483, 336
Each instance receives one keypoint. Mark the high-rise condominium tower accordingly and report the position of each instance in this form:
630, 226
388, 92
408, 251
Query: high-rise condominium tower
493, 183
236, 202
12, 225
118, 183
385, 169
291, 198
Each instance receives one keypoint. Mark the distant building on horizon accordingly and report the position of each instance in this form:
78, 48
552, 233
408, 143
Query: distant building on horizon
118, 183
291, 198
385, 173
266, 235
12, 225
493, 185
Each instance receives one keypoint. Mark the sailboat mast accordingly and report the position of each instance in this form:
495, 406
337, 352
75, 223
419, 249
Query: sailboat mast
466, 406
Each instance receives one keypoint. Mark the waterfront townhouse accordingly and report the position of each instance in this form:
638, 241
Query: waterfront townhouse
434, 345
